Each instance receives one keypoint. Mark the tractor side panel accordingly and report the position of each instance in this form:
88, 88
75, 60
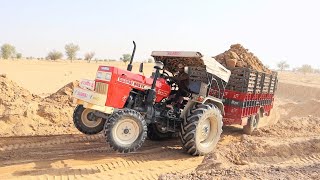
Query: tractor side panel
122, 82
118, 92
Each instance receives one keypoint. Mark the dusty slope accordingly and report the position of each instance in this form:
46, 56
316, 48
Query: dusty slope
25, 114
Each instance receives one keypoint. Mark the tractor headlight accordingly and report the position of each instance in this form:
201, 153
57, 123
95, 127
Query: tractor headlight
158, 65
99, 75
104, 76
108, 77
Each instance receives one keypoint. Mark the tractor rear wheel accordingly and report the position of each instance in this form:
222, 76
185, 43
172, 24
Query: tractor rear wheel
252, 124
86, 122
155, 134
201, 129
125, 130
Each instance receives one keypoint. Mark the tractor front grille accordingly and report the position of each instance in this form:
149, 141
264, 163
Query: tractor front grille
101, 88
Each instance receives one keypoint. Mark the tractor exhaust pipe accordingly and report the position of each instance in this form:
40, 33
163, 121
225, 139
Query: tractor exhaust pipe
129, 68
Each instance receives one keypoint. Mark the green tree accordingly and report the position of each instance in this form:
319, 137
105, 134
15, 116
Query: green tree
306, 68
7, 51
282, 65
54, 55
125, 58
19, 55
88, 56
150, 60
71, 50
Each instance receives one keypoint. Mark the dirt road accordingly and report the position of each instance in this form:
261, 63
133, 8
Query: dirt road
89, 157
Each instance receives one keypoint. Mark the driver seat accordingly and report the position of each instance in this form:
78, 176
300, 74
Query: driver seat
197, 80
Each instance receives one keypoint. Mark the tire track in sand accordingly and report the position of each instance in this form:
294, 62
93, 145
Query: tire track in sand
72, 159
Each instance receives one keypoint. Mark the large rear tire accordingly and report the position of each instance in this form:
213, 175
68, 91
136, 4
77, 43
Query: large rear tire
201, 129
86, 122
125, 130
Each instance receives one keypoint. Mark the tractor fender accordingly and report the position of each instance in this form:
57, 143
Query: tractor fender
215, 101
212, 100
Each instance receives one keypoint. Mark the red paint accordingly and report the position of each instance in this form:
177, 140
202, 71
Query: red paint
238, 115
122, 82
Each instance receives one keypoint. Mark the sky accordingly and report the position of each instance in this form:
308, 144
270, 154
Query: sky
273, 30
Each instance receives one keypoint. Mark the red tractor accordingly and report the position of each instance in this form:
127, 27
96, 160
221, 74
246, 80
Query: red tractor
129, 107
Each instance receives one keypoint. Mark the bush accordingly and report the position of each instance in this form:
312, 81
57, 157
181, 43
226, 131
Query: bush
54, 55
19, 56
306, 68
150, 60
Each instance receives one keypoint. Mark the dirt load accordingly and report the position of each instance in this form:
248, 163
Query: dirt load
24, 114
238, 56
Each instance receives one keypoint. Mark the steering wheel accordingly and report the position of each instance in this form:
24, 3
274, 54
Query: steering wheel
165, 74
169, 80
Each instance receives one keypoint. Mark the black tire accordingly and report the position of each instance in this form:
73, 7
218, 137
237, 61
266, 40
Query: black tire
115, 136
252, 124
82, 123
155, 135
195, 119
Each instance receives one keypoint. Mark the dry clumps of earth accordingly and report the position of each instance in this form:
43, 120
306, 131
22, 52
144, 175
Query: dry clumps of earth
23, 113
238, 56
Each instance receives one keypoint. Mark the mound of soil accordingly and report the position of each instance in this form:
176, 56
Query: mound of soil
63, 95
23, 113
238, 56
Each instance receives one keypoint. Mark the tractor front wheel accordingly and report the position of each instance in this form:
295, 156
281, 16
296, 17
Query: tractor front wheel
86, 122
201, 129
125, 130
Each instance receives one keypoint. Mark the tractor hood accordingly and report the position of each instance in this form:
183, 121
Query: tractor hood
171, 59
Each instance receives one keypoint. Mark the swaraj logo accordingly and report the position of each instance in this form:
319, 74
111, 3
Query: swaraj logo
173, 53
133, 83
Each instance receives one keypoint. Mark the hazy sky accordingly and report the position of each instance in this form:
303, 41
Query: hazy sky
273, 30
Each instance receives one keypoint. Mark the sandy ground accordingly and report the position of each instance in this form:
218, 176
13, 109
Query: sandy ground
45, 77
287, 146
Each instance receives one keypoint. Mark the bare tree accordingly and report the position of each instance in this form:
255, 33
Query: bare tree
282, 65
88, 56
71, 50
54, 55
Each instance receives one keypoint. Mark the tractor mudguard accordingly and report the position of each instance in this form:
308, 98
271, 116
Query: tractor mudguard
212, 100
